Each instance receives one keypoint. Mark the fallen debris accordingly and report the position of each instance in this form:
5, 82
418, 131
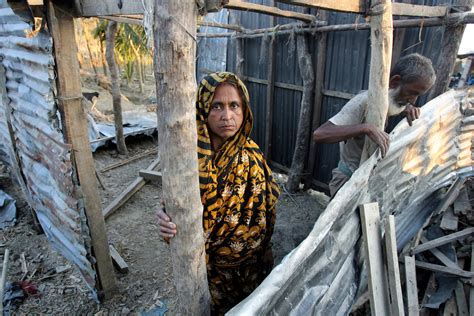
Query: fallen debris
118, 261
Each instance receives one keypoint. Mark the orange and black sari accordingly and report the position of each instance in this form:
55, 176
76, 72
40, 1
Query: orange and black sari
239, 196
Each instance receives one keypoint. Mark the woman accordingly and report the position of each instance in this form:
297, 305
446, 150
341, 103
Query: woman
237, 191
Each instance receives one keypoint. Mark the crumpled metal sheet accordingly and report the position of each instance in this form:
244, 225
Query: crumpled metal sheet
7, 210
325, 273
44, 158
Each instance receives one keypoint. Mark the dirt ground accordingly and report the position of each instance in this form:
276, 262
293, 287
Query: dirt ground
133, 232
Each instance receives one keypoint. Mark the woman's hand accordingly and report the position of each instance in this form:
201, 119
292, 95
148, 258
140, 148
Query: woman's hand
167, 227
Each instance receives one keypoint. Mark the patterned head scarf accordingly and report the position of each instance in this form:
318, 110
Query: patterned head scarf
237, 188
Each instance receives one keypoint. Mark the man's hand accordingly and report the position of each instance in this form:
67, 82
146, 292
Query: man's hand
411, 113
378, 136
167, 228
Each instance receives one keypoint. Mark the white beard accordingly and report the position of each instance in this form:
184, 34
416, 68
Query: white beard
394, 107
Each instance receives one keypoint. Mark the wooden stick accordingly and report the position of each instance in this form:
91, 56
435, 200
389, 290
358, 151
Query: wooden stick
4, 277
443, 240
129, 160
441, 256
370, 218
393, 270
151, 175
252, 7
450, 196
443, 269
454, 18
118, 261
24, 266
412, 289
132, 188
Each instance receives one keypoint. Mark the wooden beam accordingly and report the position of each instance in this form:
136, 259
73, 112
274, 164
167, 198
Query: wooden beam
441, 256
412, 289
393, 271
318, 99
122, 19
271, 66
377, 278
89, 8
358, 6
74, 122
381, 32
233, 27
338, 94
252, 7
131, 189
443, 240
118, 261
151, 175
175, 73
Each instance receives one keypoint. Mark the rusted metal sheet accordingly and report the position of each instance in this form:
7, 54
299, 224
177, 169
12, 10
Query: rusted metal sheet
325, 273
44, 159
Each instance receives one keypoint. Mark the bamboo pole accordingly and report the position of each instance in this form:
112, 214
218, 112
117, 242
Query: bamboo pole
304, 129
381, 54
175, 53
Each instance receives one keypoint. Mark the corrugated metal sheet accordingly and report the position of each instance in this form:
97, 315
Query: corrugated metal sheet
325, 273
45, 159
346, 70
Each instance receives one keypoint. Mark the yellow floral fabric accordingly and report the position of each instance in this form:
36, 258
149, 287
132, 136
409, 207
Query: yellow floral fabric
237, 190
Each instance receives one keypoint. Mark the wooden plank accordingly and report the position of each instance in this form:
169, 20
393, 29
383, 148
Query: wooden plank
74, 122
407, 9
357, 6
381, 32
151, 175
471, 290
377, 278
131, 189
393, 271
225, 26
252, 7
283, 85
318, 99
270, 92
118, 261
443, 269
338, 94
450, 196
412, 289
461, 299
430, 290
443, 240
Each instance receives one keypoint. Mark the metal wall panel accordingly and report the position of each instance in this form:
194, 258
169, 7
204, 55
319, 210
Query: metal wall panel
44, 157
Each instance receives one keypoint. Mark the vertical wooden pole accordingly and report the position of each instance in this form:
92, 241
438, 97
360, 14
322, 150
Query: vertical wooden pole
74, 123
444, 66
240, 59
304, 129
370, 219
381, 29
115, 79
175, 53
270, 92
318, 98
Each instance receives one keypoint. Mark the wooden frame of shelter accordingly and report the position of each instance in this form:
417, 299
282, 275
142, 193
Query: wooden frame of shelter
176, 70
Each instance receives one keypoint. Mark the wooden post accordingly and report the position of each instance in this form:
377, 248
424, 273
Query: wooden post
370, 218
412, 289
175, 53
74, 123
393, 271
270, 93
115, 79
304, 128
318, 99
444, 66
381, 30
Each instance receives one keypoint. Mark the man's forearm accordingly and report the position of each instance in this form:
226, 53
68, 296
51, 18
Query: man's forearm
329, 133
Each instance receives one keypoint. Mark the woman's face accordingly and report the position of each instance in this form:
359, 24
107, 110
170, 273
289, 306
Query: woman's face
226, 114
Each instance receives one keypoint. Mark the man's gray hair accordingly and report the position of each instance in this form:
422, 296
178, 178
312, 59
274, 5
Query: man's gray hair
414, 67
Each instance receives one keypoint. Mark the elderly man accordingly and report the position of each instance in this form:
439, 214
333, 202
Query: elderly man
412, 76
